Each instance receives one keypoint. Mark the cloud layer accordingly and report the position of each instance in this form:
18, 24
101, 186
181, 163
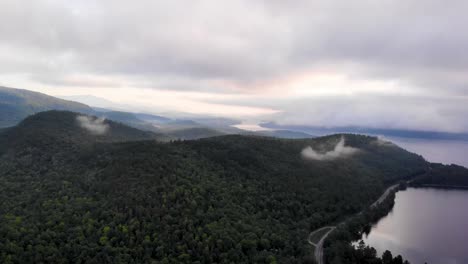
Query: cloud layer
283, 57
339, 151
95, 126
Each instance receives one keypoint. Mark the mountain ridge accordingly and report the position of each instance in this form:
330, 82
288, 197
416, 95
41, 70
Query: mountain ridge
402, 133
17, 104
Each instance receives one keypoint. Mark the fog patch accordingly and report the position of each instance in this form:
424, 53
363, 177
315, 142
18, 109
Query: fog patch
340, 150
95, 126
383, 141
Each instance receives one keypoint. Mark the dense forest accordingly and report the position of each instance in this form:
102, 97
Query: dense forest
67, 195
444, 176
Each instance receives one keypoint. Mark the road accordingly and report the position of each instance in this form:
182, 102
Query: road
384, 195
318, 252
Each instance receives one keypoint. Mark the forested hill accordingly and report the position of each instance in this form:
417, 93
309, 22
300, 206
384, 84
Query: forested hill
444, 176
240, 199
55, 130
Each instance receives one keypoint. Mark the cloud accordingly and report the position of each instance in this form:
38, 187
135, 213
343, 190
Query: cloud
339, 151
205, 47
207, 40
95, 126
383, 141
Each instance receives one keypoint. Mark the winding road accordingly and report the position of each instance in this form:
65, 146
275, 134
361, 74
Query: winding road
384, 195
318, 252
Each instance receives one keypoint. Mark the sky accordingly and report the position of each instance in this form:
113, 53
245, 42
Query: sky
388, 63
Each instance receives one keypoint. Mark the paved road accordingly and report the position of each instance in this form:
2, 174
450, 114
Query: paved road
384, 195
318, 252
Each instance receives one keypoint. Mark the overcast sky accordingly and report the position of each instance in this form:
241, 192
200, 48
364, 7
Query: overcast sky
393, 64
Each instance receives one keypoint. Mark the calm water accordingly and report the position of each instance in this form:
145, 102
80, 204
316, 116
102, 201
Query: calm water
426, 225
443, 151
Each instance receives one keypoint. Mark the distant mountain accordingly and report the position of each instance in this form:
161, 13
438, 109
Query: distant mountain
95, 101
129, 119
284, 134
194, 133
17, 104
152, 118
317, 130
123, 117
183, 123
173, 129
216, 121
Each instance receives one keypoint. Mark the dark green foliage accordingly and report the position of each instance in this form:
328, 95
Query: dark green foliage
57, 131
448, 176
68, 196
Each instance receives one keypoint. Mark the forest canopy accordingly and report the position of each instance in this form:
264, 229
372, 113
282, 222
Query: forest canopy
124, 197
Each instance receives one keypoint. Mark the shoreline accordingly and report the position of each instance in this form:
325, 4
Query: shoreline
440, 186
375, 207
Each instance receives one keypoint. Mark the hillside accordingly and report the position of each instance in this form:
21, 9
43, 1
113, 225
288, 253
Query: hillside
60, 130
152, 118
223, 199
444, 176
17, 104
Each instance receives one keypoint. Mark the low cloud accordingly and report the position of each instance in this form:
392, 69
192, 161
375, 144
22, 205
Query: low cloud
383, 141
95, 126
340, 150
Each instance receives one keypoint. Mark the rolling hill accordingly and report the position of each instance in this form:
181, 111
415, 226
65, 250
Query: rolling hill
69, 194
62, 130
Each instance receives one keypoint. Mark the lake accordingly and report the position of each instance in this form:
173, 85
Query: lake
425, 225
442, 151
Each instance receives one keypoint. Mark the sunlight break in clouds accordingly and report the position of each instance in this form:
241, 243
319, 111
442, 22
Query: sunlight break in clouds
95, 126
339, 151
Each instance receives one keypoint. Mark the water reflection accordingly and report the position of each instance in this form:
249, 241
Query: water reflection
426, 225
